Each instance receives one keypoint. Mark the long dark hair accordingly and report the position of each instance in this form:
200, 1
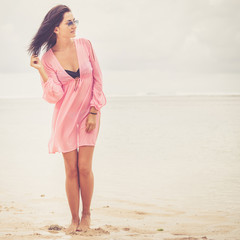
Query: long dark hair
45, 34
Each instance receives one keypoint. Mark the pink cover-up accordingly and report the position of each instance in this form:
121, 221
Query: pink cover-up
73, 98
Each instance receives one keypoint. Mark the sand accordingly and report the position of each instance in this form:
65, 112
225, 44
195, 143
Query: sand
117, 220
165, 168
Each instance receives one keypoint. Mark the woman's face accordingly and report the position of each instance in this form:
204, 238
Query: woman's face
65, 31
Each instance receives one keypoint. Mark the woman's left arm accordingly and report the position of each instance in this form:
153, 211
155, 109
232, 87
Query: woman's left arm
98, 98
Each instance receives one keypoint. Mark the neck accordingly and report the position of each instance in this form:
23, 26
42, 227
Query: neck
63, 44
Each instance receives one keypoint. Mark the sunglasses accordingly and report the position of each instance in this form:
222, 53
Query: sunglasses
70, 23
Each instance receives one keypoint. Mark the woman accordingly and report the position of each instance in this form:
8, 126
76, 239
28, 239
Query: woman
71, 79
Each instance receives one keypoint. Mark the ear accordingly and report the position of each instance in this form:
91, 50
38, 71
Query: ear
56, 30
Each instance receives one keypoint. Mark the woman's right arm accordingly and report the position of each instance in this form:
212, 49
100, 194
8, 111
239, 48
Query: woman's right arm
43, 74
52, 88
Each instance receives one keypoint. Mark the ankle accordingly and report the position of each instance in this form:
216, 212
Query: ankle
75, 220
86, 213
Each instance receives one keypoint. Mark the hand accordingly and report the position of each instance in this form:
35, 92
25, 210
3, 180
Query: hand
90, 122
35, 62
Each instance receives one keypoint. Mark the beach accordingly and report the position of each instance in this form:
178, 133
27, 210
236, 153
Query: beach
165, 167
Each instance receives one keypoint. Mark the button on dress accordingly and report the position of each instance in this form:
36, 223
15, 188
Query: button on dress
73, 98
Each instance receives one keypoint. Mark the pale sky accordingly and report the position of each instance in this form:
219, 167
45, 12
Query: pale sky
184, 35
187, 36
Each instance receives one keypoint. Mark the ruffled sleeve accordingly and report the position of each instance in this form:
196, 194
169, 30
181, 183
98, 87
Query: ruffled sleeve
98, 98
52, 88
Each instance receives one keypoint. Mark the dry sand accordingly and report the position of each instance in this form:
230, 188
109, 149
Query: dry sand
120, 219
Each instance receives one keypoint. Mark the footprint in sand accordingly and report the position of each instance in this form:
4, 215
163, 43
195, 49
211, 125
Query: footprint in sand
111, 228
54, 228
141, 213
92, 232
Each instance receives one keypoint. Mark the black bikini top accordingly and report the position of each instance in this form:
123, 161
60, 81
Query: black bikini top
73, 74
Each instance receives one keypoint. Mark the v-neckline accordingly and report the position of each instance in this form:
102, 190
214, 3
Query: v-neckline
71, 71
74, 40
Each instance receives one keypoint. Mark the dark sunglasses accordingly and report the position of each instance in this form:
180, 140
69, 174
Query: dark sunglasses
70, 23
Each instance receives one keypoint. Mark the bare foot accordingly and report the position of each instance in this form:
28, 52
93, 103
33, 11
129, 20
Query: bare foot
85, 222
73, 226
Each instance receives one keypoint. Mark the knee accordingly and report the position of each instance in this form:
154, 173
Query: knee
72, 173
85, 171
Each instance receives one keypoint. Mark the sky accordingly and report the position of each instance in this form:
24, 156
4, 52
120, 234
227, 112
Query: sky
170, 37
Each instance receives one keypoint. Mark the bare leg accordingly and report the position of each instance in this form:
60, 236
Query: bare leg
72, 187
86, 180
86, 184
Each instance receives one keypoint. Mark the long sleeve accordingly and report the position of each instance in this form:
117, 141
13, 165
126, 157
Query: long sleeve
52, 88
98, 98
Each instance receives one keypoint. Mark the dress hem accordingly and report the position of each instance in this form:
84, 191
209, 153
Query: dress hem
53, 152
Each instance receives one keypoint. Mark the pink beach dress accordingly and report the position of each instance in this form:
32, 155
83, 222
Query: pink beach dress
73, 98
